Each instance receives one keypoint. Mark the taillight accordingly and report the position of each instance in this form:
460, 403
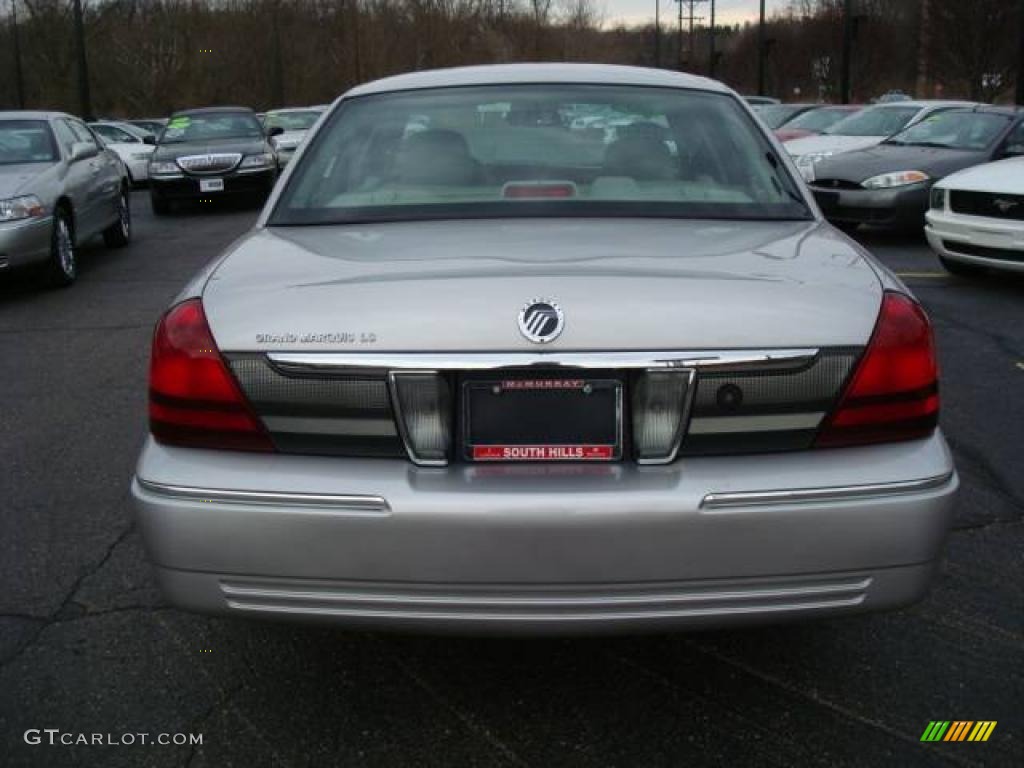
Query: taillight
193, 398
894, 392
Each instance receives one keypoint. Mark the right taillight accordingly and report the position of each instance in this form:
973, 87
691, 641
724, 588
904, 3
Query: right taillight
193, 398
894, 392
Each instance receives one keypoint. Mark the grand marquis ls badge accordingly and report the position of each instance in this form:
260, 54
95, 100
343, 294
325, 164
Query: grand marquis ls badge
541, 321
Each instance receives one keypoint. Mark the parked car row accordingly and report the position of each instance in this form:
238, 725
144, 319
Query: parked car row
956, 168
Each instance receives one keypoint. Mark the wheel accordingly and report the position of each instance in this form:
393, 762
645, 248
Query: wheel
960, 268
62, 268
119, 233
160, 205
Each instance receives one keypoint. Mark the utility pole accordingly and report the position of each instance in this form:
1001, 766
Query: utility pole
691, 18
711, 42
844, 64
19, 80
760, 52
679, 38
1020, 52
83, 67
657, 33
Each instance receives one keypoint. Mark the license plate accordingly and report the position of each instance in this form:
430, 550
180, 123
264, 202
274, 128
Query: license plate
542, 419
211, 185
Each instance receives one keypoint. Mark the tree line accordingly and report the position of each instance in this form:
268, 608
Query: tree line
150, 57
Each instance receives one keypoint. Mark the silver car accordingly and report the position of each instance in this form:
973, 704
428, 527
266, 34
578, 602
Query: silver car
59, 186
490, 374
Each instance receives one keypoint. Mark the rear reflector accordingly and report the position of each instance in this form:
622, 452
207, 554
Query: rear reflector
422, 408
893, 394
193, 398
660, 402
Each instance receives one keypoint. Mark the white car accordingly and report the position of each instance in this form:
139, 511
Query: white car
977, 217
294, 123
132, 144
861, 130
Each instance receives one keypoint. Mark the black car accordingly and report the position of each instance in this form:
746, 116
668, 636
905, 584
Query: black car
212, 153
888, 185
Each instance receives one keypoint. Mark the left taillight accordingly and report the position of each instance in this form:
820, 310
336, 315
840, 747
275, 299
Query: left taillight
193, 398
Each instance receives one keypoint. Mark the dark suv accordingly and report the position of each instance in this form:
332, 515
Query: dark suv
212, 153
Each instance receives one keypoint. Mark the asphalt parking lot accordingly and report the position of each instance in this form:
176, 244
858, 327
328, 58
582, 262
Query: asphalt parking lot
86, 645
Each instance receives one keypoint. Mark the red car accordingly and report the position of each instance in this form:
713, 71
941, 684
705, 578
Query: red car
816, 120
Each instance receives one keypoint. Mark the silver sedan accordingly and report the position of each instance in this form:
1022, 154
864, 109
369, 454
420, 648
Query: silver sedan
479, 367
59, 186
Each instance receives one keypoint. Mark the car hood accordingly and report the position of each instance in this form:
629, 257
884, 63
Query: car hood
833, 144
1003, 177
887, 158
623, 284
166, 152
16, 179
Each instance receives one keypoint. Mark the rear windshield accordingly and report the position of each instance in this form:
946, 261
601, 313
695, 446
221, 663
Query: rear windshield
874, 121
955, 130
777, 115
538, 150
291, 121
26, 141
210, 127
819, 119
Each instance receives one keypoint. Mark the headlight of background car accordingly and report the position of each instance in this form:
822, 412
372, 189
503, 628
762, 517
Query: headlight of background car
898, 179
262, 160
938, 198
24, 207
163, 168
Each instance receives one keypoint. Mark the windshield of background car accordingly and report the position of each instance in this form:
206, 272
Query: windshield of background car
874, 121
818, 119
538, 150
291, 121
776, 115
211, 127
26, 141
956, 130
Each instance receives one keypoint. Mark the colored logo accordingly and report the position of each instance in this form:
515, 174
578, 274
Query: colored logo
958, 730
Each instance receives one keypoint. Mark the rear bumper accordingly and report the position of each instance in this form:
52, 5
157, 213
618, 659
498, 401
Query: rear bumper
25, 242
235, 185
900, 208
381, 543
984, 242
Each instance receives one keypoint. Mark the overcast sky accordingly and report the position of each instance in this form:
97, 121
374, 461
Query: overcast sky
641, 11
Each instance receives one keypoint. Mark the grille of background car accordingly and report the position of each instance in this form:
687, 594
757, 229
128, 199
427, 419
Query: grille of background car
989, 204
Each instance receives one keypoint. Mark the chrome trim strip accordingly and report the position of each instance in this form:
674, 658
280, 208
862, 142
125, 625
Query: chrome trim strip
331, 426
812, 495
374, 504
772, 422
337, 362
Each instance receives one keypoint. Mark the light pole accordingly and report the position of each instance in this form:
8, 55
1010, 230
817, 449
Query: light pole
19, 81
760, 52
711, 43
657, 33
83, 66
844, 64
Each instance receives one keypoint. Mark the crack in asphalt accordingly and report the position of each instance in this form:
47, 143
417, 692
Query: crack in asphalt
465, 718
55, 616
197, 723
992, 479
1004, 344
829, 704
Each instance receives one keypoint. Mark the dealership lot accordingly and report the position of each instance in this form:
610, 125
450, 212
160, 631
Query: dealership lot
87, 647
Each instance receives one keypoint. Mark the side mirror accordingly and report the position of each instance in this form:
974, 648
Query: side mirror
277, 130
149, 139
83, 150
